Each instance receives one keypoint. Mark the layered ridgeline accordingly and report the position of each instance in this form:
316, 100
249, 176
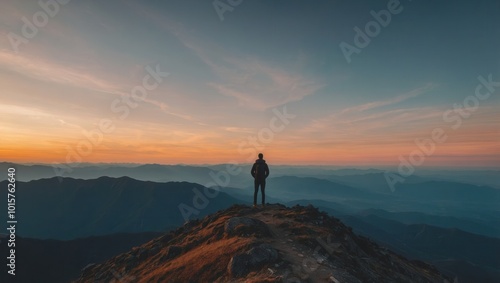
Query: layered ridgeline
69, 208
271, 244
454, 226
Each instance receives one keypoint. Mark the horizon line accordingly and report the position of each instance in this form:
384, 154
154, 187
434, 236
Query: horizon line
348, 166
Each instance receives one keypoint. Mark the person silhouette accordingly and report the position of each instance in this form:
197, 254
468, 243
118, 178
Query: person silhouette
260, 171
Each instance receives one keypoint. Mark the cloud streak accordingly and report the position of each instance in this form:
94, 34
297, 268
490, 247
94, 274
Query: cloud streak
253, 83
259, 86
353, 114
400, 98
44, 71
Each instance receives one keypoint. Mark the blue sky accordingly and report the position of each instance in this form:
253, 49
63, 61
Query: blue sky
226, 77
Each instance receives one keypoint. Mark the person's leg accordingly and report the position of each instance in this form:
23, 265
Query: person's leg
256, 185
263, 190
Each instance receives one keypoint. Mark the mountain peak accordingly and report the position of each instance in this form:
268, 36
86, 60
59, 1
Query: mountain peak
271, 244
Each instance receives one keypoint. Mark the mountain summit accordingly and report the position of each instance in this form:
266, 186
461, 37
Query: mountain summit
271, 244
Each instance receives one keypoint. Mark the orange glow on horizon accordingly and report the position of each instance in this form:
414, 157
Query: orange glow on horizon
339, 155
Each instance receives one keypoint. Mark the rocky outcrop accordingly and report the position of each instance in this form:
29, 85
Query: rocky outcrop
242, 264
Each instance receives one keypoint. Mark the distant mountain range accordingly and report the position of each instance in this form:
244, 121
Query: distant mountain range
290, 187
69, 208
75, 208
466, 224
146, 172
371, 179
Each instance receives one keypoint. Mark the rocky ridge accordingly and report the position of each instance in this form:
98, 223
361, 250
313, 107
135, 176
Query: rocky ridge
271, 244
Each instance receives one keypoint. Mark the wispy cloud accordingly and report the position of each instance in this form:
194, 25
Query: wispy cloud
51, 72
357, 113
47, 71
239, 130
391, 101
253, 83
258, 85
375, 122
22, 111
375, 127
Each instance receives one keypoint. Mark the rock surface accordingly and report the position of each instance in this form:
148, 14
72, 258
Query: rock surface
242, 264
244, 226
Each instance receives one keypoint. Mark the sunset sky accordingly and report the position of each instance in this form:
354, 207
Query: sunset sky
228, 77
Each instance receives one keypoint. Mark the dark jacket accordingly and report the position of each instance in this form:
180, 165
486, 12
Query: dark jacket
256, 168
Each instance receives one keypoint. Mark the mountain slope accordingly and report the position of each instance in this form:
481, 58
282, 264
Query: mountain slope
61, 261
449, 191
75, 208
470, 257
274, 244
471, 225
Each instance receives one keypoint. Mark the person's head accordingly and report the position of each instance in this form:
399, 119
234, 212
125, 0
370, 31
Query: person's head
261, 155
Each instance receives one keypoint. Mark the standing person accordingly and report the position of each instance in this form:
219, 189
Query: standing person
260, 171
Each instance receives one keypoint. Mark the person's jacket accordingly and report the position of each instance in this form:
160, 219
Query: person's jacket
256, 168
